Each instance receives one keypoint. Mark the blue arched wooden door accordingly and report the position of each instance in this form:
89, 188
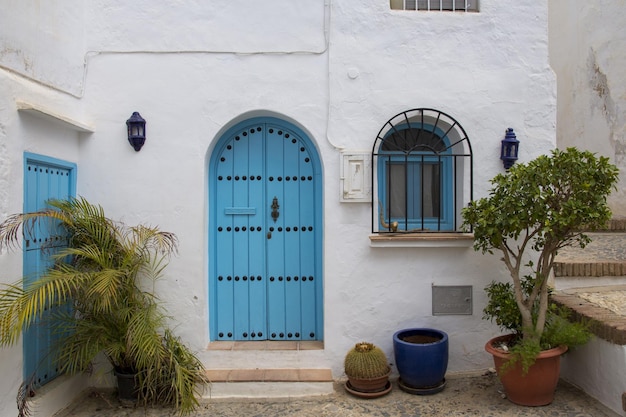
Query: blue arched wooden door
265, 234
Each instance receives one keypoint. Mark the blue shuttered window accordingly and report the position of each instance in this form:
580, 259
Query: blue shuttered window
44, 178
422, 175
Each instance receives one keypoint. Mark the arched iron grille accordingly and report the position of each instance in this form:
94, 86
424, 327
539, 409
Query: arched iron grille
422, 173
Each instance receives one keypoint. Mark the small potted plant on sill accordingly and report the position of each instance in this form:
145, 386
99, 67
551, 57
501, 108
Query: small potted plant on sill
533, 211
368, 370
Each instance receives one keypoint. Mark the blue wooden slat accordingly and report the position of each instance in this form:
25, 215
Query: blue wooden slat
223, 290
256, 238
240, 241
30, 202
47, 365
292, 252
58, 189
275, 245
307, 246
31, 337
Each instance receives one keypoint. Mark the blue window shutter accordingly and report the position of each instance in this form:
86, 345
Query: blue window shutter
44, 179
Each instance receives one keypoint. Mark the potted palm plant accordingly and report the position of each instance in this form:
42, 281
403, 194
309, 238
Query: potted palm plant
533, 211
106, 276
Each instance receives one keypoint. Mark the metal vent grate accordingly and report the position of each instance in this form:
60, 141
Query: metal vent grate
452, 300
436, 5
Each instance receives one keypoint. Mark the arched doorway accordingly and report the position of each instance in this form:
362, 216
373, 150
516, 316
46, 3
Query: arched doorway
265, 231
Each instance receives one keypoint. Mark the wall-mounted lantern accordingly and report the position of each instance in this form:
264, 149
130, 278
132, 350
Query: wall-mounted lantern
136, 131
510, 149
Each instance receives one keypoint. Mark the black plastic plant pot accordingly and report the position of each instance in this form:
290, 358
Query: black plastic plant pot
127, 386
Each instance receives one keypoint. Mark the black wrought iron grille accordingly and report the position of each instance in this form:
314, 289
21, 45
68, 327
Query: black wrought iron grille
422, 173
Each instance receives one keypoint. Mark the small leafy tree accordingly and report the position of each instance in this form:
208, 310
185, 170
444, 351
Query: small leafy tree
540, 207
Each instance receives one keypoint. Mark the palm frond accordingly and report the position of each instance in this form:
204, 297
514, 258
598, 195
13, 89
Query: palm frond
11, 306
10, 236
25, 391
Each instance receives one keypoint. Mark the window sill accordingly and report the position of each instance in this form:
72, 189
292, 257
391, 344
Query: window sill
422, 240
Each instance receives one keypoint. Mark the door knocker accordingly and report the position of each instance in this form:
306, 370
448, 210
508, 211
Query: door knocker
275, 208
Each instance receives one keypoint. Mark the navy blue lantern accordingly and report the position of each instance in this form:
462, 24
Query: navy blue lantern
510, 149
136, 131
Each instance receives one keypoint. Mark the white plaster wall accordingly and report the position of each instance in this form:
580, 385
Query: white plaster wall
43, 40
339, 72
587, 41
240, 26
186, 102
489, 71
597, 368
19, 133
11, 266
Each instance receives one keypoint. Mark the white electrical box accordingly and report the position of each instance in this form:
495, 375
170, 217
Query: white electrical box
356, 177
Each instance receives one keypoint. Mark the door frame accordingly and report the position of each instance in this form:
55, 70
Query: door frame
318, 201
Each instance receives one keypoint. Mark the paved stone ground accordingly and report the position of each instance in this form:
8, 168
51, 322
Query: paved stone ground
462, 396
603, 247
612, 298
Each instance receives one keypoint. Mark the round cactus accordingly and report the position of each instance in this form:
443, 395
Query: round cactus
366, 361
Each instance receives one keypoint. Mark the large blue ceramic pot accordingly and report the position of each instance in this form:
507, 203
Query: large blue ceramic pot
422, 359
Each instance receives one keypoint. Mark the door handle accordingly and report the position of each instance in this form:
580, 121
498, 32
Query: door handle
275, 206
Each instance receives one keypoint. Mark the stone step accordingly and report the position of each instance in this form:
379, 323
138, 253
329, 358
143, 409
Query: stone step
599, 268
269, 375
269, 383
267, 354
601, 262
616, 225
601, 307
563, 283
289, 369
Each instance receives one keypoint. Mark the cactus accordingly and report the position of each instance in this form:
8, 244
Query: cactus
366, 361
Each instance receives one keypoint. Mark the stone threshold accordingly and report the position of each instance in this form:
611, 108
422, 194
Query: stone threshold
269, 375
265, 345
604, 323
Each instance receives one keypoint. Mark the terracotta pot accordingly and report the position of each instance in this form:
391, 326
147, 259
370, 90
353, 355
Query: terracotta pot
534, 388
369, 385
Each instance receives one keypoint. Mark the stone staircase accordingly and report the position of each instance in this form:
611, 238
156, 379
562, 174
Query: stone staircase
267, 369
602, 262
591, 283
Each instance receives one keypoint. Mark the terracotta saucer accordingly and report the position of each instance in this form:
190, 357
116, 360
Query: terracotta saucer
368, 394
